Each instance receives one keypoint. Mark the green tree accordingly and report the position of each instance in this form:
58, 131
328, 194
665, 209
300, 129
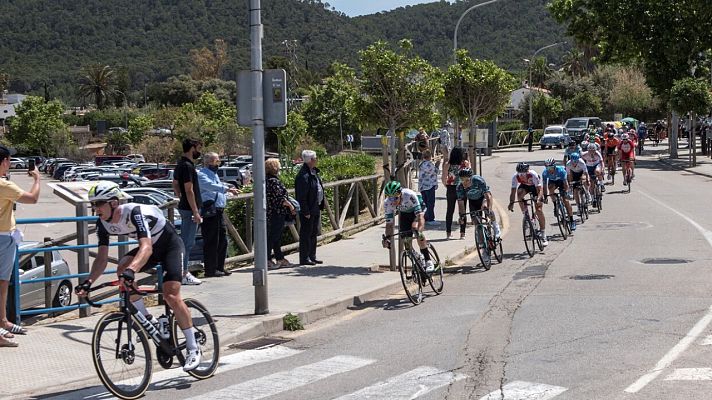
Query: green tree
545, 109
691, 95
97, 82
541, 72
36, 122
4, 81
289, 137
574, 63
476, 90
204, 118
399, 89
630, 94
582, 104
138, 127
331, 108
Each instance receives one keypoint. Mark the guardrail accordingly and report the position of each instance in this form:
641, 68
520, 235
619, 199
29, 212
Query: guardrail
518, 138
48, 277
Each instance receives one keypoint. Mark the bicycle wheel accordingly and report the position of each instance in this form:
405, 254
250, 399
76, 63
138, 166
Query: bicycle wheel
496, 247
122, 358
410, 278
206, 336
561, 218
566, 218
529, 234
436, 278
537, 240
599, 200
483, 251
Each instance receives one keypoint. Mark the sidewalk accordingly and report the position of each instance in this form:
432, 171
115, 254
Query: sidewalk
56, 356
661, 154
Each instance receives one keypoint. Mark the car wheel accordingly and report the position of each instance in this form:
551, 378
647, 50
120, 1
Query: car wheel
63, 296
543, 147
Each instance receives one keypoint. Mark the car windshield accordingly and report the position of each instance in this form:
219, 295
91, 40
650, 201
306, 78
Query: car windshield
576, 123
553, 131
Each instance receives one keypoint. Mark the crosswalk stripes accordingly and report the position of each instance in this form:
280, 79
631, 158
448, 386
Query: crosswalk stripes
690, 374
520, 390
409, 385
284, 381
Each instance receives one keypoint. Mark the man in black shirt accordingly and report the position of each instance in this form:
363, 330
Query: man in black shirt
186, 186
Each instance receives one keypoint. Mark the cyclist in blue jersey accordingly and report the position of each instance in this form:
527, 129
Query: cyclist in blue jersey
410, 208
571, 149
555, 177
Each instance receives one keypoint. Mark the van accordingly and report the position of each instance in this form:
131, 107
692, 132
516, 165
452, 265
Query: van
231, 175
577, 127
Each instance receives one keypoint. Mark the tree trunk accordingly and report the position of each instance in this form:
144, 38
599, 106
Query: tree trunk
471, 147
672, 130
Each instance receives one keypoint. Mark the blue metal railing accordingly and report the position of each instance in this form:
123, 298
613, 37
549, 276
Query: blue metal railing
16, 273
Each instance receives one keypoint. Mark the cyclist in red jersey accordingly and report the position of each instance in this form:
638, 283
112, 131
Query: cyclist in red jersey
626, 155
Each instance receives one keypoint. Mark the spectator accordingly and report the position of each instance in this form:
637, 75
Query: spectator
451, 167
421, 140
427, 185
310, 195
279, 208
187, 187
213, 196
10, 237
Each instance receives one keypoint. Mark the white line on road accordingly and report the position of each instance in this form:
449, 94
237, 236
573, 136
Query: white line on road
284, 381
696, 330
409, 385
519, 390
707, 341
227, 363
690, 374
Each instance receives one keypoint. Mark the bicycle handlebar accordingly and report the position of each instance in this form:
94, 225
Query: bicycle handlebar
402, 233
131, 290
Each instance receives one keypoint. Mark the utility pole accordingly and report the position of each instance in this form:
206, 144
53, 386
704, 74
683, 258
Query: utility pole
259, 277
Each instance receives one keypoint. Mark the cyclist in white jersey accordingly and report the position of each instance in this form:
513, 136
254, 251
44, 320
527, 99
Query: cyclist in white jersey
410, 208
594, 164
528, 181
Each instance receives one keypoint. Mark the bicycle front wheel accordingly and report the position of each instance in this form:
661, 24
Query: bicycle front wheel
122, 356
206, 336
410, 277
436, 278
561, 218
483, 251
529, 235
497, 249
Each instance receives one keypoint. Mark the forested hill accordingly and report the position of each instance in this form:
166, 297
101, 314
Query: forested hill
50, 40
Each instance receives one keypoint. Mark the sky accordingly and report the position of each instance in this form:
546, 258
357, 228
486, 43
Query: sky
361, 7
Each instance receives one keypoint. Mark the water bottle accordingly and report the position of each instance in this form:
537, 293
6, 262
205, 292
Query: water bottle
163, 326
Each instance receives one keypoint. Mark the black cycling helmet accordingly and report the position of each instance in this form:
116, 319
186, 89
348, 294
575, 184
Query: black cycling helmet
522, 167
465, 173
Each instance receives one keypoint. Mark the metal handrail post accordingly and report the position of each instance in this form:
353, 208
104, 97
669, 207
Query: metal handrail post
16, 288
82, 254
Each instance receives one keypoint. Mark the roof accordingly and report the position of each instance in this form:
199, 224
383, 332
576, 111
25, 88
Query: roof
517, 96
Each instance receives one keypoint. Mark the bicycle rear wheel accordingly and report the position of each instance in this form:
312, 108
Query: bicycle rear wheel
436, 278
122, 357
481, 242
529, 234
599, 200
206, 336
561, 218
410, 277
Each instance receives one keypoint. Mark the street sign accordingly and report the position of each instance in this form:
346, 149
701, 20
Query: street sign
349, 138
274, 98
481, 138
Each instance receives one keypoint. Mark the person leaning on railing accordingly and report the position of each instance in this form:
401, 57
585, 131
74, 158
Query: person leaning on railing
10, 237
279, 210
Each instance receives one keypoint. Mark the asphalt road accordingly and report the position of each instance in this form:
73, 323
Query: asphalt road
618, 311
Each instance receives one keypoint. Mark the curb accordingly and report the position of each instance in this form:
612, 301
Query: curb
671, 165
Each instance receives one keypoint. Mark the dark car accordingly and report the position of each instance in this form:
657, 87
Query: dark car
578, 127
156, 173
58, 172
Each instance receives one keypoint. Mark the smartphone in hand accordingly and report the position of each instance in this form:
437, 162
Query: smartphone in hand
30, 166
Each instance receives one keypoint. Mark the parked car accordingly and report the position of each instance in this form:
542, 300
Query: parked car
58, 172
231, 175
577, 127
555, 135
17, 163
139, 158
164, 184
156, 173
31, 268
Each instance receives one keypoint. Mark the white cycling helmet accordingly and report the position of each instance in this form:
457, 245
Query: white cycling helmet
625, 136
105, 191
591, 146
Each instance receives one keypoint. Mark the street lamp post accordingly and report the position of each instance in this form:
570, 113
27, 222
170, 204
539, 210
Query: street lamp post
454, 49
531, 94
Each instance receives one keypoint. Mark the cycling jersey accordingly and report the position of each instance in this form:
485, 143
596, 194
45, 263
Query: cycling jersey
627, 149
410, 202
137, 221
478, 188
530, 178
592, 160
576, 169
611, 145
569, 151
559, 174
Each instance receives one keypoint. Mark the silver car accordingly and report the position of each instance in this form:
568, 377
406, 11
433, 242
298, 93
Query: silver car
31, 268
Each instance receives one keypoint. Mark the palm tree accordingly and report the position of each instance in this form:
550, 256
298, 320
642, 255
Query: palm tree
98, 82
574, 63
540, 72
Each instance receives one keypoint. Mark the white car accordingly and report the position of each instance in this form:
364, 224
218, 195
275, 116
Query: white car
17, 163
555, 135
137, 158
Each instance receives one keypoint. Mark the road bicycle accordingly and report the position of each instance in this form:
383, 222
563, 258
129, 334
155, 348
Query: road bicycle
627, 174
611, 164
485, 241
412, 268
121, 342
596, 193
580, 195
561, 214
530, 226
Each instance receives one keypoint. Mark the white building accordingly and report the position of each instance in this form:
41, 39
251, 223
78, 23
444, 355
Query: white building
515, 102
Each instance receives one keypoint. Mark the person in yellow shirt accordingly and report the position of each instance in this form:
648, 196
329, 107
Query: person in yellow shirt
10, 193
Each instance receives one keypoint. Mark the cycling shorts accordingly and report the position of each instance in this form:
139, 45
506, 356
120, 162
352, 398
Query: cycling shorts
559, 184
592, 169
576, 176
610, 151
528, 188
405, 222
167, 251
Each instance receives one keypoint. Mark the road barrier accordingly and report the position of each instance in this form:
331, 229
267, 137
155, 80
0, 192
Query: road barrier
82, 250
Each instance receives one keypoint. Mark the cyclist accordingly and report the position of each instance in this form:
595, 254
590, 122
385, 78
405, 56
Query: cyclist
575, 172
555, 177
626, 155
527, 181
158, 243
593, 160
611, 146
410, 208
474, 190
570, 149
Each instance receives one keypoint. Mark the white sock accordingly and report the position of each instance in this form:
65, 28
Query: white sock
141, 307
495, 226
190, 343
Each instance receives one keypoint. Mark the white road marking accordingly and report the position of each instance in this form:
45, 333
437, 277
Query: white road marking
409, 385
696, 330
690, 374
227, 363
520, 390
707, 341
284, 381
